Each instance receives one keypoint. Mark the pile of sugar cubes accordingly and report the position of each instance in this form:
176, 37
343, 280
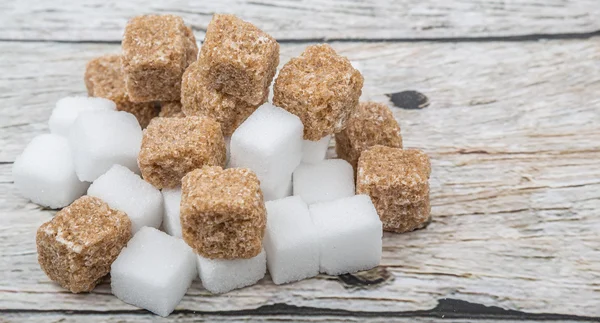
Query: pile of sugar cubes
176, 167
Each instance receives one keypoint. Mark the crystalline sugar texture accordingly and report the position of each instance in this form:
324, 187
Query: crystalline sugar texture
101, 139
325, 181
154, 271
349, 233
314, 151
222, 275
67, 109
269, 142
45, 174
171, 220
128, 192
291, 241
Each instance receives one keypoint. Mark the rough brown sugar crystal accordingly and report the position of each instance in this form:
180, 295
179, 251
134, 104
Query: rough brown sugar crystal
171, 109
397, 181
172, 147
104, 78
241, 59
321, 88
371, 124
77, 247
199, 99
156, 51
223, 214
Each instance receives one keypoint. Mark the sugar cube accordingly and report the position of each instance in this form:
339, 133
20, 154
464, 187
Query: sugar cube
223, 275
314, 151
371, 124
77, 247
125, 191
45, 174
154, 271
350, 234
291, 241
397, 181
171, 220
321, 87
101, 139
172, 147
104, 78
327, 180
67, 109
171, 109
156, 51
281, 190
241, 59
200, 99
222, 212
269, 142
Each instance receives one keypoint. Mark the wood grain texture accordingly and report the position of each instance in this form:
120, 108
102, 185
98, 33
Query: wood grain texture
100, 20
512, 131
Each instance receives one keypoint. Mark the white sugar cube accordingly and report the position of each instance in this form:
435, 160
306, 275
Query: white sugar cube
279, 191
67, 109
291, 241
269, 142
350, 234
171, 220
101, 139
125, 191
154, 271
223, 275
324, 181
45, 174
314, 151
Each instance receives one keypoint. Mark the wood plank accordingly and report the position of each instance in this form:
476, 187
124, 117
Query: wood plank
99, 20
513, 136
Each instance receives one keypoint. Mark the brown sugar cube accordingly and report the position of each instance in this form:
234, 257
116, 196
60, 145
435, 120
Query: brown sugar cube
104, 78
321, 88
397, 181
223, 214
241, 59
77, 247
156, 51
199, 99
171, 109
172, 147
371, 124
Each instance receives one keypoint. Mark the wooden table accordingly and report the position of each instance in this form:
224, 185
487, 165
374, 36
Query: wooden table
513, 131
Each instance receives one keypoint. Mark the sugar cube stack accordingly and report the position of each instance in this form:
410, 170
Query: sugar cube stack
45, 173
125, 191
67, 109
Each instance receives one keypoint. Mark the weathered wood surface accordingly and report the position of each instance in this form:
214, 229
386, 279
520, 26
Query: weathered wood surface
101, 20
512, 131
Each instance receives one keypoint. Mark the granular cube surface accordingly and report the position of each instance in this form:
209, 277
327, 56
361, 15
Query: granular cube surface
349, 233
154, 271
104, 78
269, 142
156, 51
320, 87
314, 151
171, 109
222, 212
397, 181
371, 124
327, 180
200, 99
77, 247
291, 241
171, 221
67, 109
223, 275
45, 174
172, 147
125, 191
241, 59
101, 139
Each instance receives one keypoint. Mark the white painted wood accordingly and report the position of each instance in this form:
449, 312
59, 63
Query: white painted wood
102, 20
